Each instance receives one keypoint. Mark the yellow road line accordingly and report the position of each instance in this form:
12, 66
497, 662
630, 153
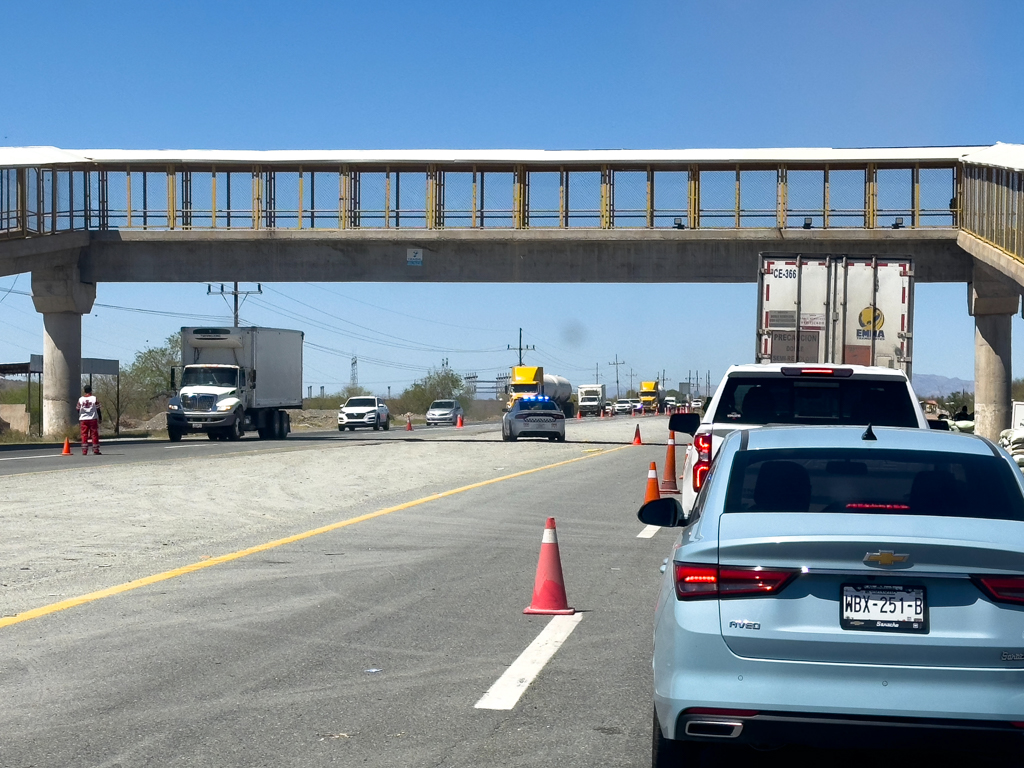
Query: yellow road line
73, 602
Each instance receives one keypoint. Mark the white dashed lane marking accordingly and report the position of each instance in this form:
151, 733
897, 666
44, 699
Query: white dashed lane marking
517, 678
648, 532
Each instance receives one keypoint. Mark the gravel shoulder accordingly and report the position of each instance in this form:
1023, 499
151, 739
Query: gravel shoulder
74, 531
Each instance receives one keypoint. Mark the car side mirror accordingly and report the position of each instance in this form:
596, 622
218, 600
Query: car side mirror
684, 423
942, 426
665, 512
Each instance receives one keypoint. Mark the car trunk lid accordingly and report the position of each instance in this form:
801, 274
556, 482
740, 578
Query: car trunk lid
869, 556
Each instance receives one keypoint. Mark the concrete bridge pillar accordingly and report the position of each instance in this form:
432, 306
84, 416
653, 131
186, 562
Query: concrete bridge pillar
992, 300
62, 298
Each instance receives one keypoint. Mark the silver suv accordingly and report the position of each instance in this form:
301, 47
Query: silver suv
364, 412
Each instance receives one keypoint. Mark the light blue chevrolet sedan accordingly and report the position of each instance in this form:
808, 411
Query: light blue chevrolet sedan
842, 587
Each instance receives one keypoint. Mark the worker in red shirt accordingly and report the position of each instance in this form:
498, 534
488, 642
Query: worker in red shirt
89, 416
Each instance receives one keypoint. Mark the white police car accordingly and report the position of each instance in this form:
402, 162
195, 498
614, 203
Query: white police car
533, 417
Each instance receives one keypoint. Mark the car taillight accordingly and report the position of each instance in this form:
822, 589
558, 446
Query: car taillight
701, 467
696, 581
1002, 589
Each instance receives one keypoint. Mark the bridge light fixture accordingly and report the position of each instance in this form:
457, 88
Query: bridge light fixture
898, 224
808, 222
678, 224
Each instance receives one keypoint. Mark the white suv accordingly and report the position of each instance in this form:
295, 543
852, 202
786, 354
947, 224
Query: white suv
364, 412
827, 395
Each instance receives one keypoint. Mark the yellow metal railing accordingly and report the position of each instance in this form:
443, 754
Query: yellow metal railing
993, 206
104, 196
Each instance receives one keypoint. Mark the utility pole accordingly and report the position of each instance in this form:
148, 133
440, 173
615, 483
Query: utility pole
235, 293
597, 374
631, 374
617, 363
521, 348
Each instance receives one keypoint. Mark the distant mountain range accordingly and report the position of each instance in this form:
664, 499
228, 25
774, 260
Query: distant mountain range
930, 385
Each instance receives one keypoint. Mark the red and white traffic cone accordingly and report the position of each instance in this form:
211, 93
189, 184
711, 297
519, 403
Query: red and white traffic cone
652, 493
668, 479
549, 585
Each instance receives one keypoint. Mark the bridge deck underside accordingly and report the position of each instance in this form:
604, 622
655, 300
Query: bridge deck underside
486, 256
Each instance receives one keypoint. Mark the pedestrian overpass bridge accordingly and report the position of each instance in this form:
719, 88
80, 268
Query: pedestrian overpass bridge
74, 218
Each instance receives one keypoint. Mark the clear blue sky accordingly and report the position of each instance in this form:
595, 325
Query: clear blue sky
334, 75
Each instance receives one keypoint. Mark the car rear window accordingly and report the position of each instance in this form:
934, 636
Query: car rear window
870, 481
789, 400
537, 405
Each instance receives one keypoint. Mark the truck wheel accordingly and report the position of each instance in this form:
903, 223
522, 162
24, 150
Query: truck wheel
174, 435
235, 430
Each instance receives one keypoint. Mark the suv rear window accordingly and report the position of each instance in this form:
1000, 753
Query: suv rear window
870, 481
788, 400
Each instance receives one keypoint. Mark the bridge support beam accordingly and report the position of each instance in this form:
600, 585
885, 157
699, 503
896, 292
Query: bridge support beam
62, 298
992, 301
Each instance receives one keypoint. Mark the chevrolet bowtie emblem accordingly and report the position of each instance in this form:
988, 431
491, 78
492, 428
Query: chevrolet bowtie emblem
884, 557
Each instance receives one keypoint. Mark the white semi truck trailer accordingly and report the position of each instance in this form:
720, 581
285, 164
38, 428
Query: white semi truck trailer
235, 380
857, 310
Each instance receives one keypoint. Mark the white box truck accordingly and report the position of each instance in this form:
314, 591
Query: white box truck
234, 380
857, 310
590, 399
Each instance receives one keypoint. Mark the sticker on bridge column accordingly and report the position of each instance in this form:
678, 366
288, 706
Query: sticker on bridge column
414, 257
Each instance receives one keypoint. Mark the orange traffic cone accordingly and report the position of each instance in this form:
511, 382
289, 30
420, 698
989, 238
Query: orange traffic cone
602, 413
549, 586
408, 423
668, 480
67, 448
579, 415
652, 493
458, 423
636, 436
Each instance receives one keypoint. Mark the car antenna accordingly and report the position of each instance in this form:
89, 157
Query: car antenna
868, 434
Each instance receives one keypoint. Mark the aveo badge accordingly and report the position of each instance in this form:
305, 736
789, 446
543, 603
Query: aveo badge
871, 321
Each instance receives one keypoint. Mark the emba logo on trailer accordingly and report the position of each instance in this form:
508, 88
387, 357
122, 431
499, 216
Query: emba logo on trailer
871, 321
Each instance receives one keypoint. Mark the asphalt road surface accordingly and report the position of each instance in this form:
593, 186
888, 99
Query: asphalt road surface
366, 639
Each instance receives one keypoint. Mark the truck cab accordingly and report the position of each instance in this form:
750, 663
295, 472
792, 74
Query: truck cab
212, 397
